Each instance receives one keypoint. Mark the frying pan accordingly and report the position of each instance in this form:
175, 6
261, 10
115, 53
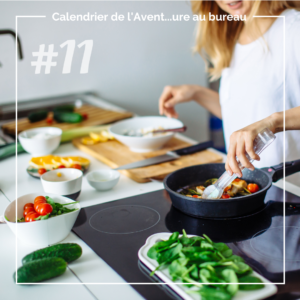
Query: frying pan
223, 208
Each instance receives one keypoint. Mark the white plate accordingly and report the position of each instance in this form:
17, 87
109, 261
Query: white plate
180, 289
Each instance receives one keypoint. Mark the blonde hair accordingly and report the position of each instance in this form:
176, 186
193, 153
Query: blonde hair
215, 41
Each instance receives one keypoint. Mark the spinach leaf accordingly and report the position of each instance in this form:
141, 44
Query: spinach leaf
227, 253
208, 293
220, 246
250, 287
230, 277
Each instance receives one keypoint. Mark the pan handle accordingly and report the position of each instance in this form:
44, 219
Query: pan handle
193, 149
291, 167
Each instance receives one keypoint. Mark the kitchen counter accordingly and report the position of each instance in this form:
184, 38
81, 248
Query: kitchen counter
90, 268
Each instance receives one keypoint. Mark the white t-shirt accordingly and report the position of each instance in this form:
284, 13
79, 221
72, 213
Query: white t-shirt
251, 88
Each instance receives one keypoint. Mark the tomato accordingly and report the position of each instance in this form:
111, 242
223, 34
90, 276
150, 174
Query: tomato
195, 196
44, 208
41, 171
85, 116
252, 187
27, 205
76, 166
225, 196
28, 210
40, 199
61, 167
31, 217
227, 188
49, 121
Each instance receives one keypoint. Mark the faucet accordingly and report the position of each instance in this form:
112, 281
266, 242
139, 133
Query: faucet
11, 32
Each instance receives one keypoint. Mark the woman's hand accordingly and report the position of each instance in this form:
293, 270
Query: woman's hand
241, 141
173, 95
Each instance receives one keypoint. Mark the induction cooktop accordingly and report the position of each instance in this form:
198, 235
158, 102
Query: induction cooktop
118, 229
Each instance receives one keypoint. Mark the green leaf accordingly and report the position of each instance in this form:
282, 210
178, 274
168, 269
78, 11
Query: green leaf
206, 246
208, 293
45, 217
227, 253
220, 246
152, 253
230, 277
6, 218
250, 287
234, 258
169, 254
242, 268
208, 239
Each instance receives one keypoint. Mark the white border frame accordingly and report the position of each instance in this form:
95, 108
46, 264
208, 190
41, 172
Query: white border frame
146, 283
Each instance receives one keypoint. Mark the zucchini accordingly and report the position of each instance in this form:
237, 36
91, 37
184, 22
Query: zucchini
68, 252
40, 270
38, 116
68, 117
64, 108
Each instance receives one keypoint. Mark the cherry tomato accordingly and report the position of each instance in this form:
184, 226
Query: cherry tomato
40, 199
252, 187
76, 166
41, 171
27, 205
195, 196
31, 217
225, 196
49, 121
44, 208
61, 167
85, 116
28, 210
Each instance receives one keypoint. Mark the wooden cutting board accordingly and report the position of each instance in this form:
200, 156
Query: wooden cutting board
115, 154
96, 116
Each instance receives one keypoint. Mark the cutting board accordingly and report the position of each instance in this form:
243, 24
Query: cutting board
96, 116
115, 154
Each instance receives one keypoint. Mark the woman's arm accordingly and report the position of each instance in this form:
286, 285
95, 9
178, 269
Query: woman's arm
241, 141
173, 95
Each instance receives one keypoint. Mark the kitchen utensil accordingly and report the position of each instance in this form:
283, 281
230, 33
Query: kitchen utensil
115, 154
181, 289
95, 116
170, 155
65, 182
43, 232
139, 133
261, 142
103, 180
144, 143
223, 208
40, 146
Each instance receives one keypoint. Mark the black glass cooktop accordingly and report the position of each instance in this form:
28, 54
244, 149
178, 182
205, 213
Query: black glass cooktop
118, 229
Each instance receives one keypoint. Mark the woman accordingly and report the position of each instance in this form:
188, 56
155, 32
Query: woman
248, 56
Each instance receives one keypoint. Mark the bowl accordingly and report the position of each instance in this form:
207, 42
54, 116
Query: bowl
40, 141
144, 143
103, 180
64, 182
43, 232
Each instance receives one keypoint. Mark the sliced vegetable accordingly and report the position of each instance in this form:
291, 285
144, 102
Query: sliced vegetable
41, 171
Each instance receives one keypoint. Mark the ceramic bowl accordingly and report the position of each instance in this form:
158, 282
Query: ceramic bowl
64, 182
103, 180
38, 146
43, 232
144, 143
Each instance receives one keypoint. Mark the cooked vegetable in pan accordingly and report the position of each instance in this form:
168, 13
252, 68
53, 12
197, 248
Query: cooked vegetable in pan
238, 187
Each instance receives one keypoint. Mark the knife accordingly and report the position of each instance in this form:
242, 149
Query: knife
171, 155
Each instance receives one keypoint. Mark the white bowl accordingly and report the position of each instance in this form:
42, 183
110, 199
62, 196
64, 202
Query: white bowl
42, 232
68, 184
103, 180
144, 143
38, 146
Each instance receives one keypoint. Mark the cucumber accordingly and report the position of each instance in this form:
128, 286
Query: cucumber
40, 270
38, 116
68, 252
10, 149
68, 117
64, 108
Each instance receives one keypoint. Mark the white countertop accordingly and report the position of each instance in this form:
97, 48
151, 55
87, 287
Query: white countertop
90, 268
